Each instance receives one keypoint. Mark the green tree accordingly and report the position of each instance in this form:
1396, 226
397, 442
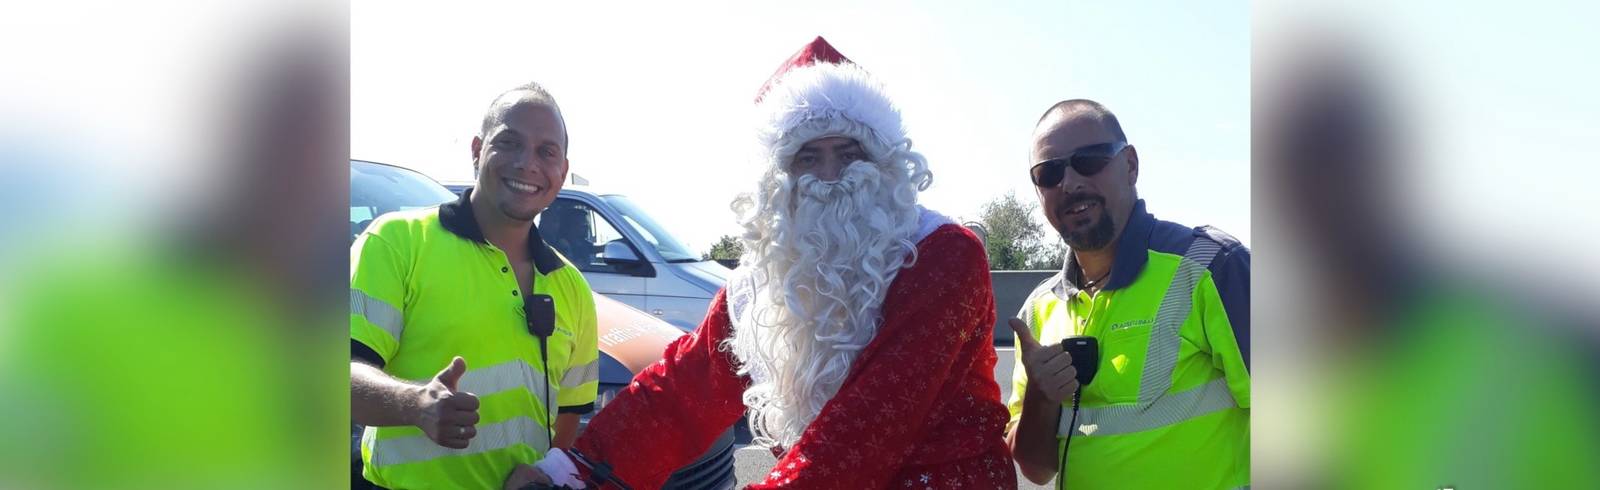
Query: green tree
1016, 241
1049, 256
727, 250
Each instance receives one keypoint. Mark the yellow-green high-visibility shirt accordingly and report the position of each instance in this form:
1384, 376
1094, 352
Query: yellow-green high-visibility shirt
1170, 404
425, 286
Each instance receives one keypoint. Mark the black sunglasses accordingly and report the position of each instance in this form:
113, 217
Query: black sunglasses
1087, 161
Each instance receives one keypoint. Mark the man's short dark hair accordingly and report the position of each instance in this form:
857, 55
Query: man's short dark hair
1077, 107
527, 92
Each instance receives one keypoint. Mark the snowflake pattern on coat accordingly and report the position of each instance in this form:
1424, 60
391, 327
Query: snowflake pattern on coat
920, 408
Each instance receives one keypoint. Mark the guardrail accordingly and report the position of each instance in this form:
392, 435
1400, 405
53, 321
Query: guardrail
1011, 288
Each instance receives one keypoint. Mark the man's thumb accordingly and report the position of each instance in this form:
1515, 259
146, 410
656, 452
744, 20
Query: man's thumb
452, 373
1025, 340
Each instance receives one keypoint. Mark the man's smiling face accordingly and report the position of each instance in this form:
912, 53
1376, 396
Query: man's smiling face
521, 159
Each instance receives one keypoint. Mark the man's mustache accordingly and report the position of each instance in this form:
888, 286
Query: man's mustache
1074, 199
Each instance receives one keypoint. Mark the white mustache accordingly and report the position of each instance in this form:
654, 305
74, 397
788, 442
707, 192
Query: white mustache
859, 175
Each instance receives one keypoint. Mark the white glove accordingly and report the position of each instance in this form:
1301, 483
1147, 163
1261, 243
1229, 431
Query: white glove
559, 467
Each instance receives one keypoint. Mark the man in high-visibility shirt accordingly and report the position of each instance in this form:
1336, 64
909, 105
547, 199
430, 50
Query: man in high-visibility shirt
1169, 307
468, 330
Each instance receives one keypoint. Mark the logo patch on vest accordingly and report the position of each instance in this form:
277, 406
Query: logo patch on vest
1131, 323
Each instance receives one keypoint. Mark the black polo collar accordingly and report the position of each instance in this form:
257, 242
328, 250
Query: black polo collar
457, 218
1131, 255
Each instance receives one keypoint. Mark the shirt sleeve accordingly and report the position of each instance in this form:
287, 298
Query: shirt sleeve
377, 293
864, 434
580, 384
673, 410
1225, 299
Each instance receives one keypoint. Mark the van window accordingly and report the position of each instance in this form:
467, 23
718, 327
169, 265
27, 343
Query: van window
669, 247
578, 233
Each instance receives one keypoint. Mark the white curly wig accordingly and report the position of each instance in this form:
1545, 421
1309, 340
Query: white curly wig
819, 256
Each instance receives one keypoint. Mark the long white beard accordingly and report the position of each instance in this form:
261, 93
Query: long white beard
821, 269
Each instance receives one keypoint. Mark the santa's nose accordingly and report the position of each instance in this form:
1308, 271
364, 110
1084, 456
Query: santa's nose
831, 169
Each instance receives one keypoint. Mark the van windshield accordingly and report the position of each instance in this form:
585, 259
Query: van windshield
670, 248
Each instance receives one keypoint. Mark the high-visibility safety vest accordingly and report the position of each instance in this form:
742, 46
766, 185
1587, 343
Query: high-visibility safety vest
1478, 385
425, 286
1170, 404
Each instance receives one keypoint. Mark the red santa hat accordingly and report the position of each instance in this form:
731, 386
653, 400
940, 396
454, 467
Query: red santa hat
819, 92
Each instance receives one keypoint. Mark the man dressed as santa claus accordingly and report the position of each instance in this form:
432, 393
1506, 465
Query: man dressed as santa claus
857, 332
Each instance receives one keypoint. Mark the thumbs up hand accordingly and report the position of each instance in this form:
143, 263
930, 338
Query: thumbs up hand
448, 416
1049, 367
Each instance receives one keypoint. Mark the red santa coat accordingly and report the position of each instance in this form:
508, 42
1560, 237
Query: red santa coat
919, 409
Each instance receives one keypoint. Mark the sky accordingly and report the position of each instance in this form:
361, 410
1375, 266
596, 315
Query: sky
658, 97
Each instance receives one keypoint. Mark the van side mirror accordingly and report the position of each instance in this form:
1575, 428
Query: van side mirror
618, 253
